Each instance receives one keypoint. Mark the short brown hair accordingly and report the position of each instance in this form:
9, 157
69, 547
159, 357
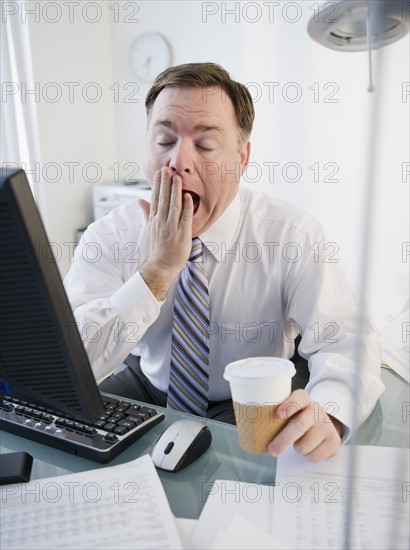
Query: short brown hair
207, 75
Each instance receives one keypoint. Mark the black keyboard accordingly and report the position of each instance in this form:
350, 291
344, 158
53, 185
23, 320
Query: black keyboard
123, 423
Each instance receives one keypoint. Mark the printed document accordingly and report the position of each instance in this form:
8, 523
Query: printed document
121, 506
314, 501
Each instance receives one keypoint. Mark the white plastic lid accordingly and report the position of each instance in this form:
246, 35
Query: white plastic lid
257, 370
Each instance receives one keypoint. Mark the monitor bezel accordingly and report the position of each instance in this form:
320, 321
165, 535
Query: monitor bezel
16, 191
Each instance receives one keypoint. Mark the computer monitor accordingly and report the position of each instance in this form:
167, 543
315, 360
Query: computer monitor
42, 357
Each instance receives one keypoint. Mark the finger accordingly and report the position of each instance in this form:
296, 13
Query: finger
145, 207
164, 193
187, 214
297, 426
294, 403
324, 450
310, 440
155, 193
175, 203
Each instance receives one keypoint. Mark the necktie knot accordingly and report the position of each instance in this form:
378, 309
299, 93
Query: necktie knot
196, 250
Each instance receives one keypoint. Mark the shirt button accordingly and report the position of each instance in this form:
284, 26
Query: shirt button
107, 357
146, 319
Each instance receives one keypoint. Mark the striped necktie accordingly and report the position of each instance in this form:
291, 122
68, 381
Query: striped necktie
189, 373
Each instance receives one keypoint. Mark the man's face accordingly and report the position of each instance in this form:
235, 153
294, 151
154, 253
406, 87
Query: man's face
194, 132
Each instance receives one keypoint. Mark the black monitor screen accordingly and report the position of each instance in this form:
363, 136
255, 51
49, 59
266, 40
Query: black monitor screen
42, 356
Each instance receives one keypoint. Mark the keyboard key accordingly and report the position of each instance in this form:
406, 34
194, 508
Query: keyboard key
110, 400
79, 427
109, 427
37, 415
6, 406
127, 424
88, 422
46, 418
121, 430
90, 431
69, 425
15, 400
146, 410
132, 410
19, 409
135, 420
99, 424
6, 398
111, 438
143, 416
27, 411
116, 417
60, 422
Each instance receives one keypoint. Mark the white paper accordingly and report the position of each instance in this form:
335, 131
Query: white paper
227, 499
310, 503
240, 534
121, 506
186, 527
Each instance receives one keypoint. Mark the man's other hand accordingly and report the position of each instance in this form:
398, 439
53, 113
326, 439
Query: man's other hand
314, 433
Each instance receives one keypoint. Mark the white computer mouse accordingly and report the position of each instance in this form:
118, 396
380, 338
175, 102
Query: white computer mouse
181, 444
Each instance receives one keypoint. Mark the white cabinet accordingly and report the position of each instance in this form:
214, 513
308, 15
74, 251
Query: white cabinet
107, 196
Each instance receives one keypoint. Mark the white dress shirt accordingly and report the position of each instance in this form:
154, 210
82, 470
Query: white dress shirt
271, 275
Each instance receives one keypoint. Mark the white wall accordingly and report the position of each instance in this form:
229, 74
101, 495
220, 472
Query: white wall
191, 39
77, 134
317, 129
314, 131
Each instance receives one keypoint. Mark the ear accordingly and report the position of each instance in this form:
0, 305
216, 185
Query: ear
245, 155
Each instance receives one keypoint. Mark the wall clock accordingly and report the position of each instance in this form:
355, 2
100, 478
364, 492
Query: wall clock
150, 54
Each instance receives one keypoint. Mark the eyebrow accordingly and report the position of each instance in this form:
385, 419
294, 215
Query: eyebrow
197, 128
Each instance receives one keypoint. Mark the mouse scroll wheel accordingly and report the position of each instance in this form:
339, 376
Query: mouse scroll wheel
168, 448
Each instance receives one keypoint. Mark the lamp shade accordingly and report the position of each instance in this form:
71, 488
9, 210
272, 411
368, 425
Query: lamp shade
343, 25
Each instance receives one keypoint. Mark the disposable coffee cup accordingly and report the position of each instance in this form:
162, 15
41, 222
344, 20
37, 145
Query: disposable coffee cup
258, 385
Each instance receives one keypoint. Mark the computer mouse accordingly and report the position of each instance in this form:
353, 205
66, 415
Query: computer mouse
181, 444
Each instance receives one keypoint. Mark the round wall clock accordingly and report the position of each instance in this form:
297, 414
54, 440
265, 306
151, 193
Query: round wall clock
150, 55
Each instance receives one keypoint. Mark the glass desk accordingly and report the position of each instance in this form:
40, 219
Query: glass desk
187, 490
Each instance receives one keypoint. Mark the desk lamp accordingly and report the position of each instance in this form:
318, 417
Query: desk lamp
360, 25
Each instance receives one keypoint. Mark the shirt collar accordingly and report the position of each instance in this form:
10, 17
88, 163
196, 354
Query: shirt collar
223, 230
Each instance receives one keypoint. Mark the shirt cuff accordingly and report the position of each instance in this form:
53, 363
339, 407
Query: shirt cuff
135, 302
336, 404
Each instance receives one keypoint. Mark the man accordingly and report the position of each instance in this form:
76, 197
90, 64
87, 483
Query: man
260, 274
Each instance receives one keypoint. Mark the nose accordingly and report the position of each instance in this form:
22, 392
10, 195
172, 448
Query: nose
181, 160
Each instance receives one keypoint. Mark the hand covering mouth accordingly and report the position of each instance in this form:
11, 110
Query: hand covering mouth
195, 198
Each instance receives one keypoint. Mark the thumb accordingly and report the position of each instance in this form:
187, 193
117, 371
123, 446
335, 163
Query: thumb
145, 207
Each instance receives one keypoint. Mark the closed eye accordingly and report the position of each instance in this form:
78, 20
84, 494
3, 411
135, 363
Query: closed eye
167, 144
203, 148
